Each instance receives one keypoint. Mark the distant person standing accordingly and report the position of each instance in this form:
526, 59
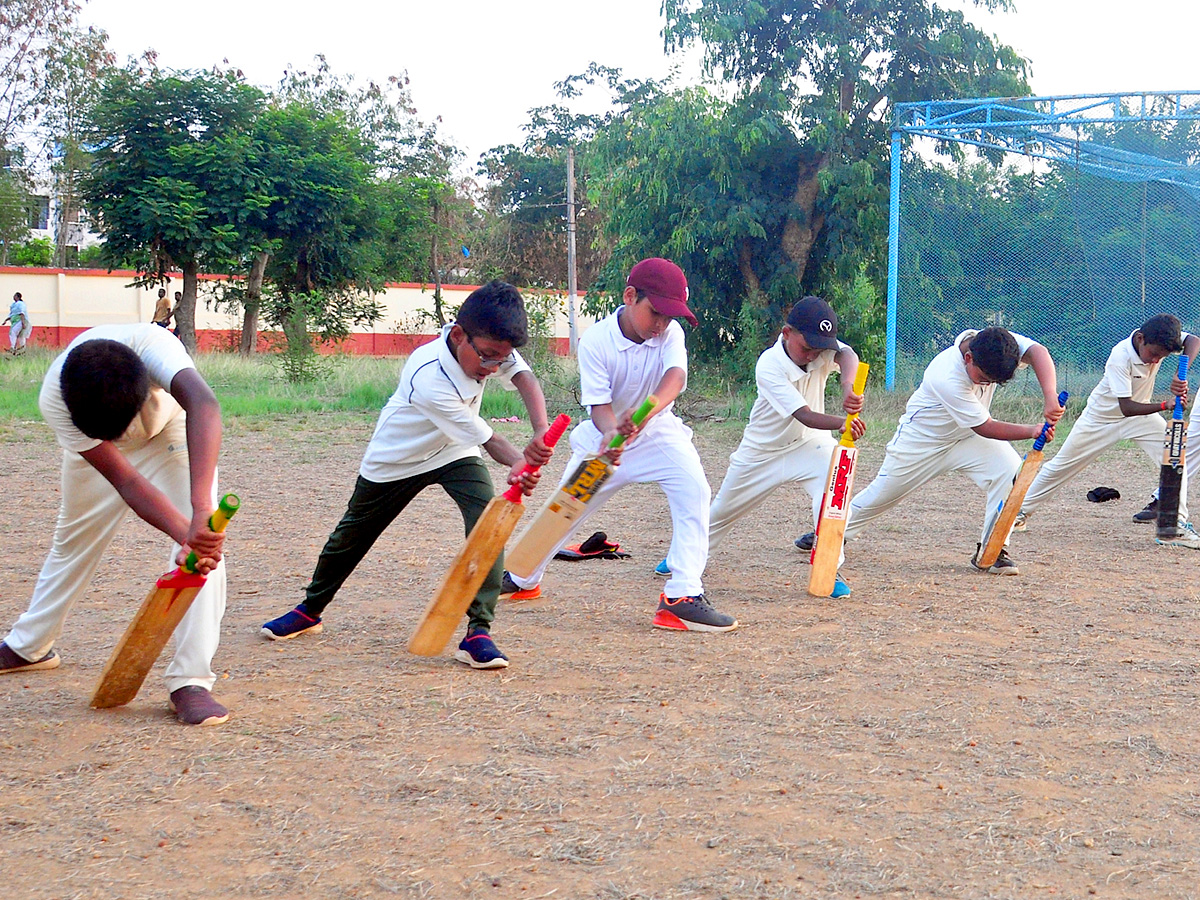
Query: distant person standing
178, 300
19, 326
163, 309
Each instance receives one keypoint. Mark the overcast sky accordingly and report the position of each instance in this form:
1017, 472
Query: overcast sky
480, 65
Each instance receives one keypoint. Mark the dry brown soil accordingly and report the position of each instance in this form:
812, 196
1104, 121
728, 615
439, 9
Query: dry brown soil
940, 733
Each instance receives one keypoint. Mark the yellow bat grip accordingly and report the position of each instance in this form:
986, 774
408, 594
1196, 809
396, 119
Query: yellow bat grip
639, 416
860, 385
217, 522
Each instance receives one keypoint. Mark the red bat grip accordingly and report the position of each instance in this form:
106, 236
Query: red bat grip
557, 427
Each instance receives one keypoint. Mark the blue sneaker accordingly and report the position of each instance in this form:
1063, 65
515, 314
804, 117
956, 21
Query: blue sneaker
290, 625
840, 588
663, 569
478, 651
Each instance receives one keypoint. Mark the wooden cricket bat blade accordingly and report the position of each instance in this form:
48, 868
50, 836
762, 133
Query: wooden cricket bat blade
1010, 509
155, 622
144, 639
552, 523
832, 527
465, 576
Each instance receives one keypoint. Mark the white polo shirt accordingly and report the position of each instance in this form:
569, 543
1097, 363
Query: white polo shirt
616, 370
783, 389
164, 357
1125, 375
433, 418
948, 404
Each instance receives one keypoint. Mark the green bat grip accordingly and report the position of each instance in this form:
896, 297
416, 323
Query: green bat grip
217, 521
639, 416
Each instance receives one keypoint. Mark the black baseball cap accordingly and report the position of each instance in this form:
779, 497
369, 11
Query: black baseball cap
816, 320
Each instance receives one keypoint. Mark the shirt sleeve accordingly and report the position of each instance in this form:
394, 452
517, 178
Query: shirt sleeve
774, 387
595, 381
1119, 375
960, 401
435, 398
163, 353
508, 370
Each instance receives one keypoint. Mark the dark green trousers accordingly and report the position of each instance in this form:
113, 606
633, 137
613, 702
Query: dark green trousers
373, 507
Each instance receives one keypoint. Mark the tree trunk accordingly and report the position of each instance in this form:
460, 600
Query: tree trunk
249, 339
185, 311
801, 230
437, 272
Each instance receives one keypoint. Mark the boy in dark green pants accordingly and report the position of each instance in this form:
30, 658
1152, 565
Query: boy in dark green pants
430, 433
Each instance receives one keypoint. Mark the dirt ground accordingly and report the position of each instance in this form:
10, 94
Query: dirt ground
940, 733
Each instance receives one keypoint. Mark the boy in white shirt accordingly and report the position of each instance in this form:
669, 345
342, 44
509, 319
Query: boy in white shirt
787, 440
637, 351
947, 427
141, 430
1120, 408
429, 433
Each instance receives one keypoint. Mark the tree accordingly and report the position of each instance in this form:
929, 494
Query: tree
173, 182
31, 40
827, 74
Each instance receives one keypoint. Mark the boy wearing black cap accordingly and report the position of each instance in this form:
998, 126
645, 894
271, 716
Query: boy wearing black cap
637, 351
787, 440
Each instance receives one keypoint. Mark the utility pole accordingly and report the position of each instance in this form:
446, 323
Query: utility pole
573, 339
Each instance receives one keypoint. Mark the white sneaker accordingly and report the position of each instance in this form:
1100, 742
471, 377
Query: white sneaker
1019, 523
1186, 537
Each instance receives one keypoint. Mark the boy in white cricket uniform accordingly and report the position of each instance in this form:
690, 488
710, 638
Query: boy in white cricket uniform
139, 429
787, 440
1120, 408
637, 351
430, 433
947, 427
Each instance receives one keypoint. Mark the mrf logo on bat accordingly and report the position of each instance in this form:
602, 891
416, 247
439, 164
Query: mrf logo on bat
838, 488
588, 479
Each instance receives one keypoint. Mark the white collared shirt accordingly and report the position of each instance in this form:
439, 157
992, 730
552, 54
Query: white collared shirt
783, 389
621, 372
433, 417
164, 357
1125, 375
948, 404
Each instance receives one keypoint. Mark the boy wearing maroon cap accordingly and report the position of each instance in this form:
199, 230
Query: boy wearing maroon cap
637, 351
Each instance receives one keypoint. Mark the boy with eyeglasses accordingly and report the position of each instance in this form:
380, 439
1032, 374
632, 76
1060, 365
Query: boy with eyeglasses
429, 433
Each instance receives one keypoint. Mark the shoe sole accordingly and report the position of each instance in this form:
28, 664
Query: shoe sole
52, 663
311, 629
211, 720
524, 594
662, 574
464, 657
671, 622
1171, 542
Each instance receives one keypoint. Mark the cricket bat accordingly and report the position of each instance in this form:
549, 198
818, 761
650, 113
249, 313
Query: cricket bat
1011, 507
160, 613
1170, 476
473, 562
835, 506
559, 514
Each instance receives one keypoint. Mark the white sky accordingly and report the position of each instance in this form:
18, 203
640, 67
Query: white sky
480, 65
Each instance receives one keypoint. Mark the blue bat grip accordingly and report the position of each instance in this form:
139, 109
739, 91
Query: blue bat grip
1177, 415
1040, 442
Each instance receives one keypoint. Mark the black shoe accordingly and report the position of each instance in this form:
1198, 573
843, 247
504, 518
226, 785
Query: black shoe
807, 541
1004, 564
1149, 514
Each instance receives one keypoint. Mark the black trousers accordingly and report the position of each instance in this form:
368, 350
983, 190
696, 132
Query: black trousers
373, 507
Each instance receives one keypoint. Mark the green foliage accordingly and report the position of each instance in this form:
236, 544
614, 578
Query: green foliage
33, 252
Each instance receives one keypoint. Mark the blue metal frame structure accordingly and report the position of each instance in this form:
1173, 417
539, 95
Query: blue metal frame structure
1050, 128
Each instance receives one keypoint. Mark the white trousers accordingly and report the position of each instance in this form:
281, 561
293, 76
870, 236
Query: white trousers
18, 333
670, 460
88, 518
748, 483
911, 461
1088, 439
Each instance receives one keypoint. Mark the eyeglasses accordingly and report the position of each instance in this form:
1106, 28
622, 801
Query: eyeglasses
483, 360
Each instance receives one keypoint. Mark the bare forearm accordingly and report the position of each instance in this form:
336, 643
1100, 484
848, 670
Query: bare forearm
499, 449
535, 401
1006, 431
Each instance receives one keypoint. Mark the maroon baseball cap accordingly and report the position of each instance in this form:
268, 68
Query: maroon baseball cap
665, 284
